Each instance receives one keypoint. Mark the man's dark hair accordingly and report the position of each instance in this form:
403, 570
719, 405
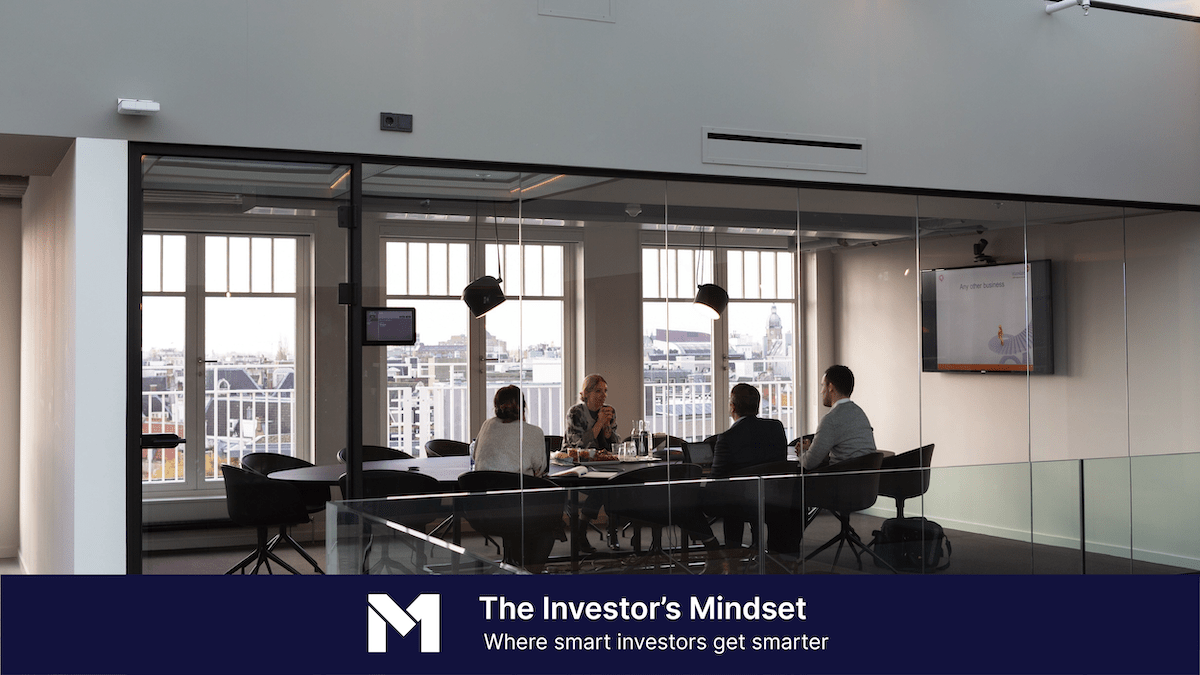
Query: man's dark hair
745, 400
841, 378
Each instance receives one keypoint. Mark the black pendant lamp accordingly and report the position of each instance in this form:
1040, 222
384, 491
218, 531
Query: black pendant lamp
484, 294
711, 299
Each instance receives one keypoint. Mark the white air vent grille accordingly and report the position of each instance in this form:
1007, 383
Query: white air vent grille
784, 150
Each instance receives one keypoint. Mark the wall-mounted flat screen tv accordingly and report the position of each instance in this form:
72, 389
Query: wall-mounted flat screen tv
991, 318
389, 326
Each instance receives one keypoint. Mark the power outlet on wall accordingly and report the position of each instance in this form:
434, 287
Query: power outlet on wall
395, 122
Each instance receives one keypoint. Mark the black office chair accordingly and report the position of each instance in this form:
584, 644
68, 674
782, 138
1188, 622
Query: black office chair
701, 453
631, 496
527, 516
906, 476
796, 442
736, 501
374, 453
674, 442
444, 447
253, 500
843, 488
314, 496
553, 444
414, 514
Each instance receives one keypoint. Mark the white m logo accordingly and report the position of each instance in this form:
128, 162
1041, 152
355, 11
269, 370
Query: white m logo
382, 611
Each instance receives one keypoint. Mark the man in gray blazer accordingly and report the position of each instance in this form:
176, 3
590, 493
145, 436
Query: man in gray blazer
844, 432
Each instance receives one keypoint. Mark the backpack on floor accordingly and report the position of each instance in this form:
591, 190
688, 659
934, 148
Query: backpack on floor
911, 545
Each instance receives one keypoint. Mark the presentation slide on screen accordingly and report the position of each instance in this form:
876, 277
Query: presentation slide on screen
612, 624
982, 317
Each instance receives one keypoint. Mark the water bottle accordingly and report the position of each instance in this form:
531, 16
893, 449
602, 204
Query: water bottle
643, 439
471, 452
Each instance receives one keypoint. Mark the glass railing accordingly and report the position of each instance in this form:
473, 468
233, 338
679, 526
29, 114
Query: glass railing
388, 536
993, 519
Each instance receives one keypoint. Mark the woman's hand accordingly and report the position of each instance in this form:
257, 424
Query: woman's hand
604, 420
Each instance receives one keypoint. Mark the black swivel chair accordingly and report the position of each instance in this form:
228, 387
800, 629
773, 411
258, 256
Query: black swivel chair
374, 453
553, 444
527, 515
737, 500
906, 476
413, 514
701, 453
843, 488
632, 496
253, 500
670, 442
314, 496
444, 447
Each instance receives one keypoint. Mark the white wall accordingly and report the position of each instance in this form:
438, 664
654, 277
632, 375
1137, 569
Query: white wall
612, 324
72, 463
10, 373
991, 96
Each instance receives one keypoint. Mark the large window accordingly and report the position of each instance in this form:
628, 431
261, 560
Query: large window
219, 368
428, 384
680, 382
762, 329
689, 361
525, 339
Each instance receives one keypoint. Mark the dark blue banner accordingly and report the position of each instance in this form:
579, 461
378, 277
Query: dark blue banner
582, 625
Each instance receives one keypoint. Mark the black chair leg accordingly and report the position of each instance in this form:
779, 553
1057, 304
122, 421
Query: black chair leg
264, 556
244, 562
847, 536
283, 534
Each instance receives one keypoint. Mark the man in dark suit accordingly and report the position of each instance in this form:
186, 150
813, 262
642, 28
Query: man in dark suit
751, 440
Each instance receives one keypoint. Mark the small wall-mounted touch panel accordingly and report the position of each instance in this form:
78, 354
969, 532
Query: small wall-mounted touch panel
783, 150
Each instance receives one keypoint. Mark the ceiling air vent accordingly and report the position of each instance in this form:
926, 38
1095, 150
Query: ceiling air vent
784, 150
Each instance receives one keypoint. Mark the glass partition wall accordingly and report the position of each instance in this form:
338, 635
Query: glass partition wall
1036, 354
243, 343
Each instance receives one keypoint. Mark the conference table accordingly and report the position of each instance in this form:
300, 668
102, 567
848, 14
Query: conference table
446, 471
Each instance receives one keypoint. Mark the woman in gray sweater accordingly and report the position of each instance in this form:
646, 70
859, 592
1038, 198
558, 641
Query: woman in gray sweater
507, 442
